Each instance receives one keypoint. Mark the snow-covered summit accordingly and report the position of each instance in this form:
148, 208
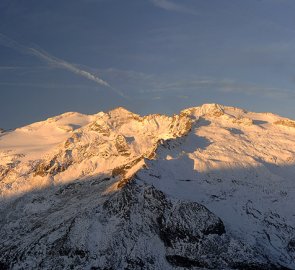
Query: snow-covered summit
226, 172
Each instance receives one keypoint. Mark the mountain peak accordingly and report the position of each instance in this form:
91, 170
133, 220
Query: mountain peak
214, 109
120, 110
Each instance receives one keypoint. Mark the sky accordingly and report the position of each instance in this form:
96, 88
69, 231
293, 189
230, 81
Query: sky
149, 56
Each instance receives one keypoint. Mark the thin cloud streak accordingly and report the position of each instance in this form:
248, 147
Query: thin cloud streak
65, 65
170, 6
52, 60
47, 85
224, 86
22, 67
157, 86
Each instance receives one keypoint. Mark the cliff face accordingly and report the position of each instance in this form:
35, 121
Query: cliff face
210, 188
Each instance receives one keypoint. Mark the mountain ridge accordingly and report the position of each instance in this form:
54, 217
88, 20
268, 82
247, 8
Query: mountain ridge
233, 165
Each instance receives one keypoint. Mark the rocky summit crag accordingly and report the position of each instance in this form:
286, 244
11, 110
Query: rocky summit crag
210, 188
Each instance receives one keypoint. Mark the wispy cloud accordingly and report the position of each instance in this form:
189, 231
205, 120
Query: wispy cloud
51, 60
230, 86
156, 87
22, 67
171, 6
45, 85
224, 86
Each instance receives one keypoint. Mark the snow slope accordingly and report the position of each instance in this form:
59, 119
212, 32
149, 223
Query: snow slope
210, 188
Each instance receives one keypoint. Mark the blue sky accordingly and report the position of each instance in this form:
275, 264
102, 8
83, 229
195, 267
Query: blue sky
150, 56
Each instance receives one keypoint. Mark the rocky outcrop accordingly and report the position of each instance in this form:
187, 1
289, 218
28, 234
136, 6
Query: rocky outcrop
286, 123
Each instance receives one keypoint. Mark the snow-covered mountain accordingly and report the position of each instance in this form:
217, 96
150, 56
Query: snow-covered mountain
210, 188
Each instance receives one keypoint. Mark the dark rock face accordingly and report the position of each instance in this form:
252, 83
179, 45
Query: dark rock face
291, 248
81, 226
178, 224
180, 261
291, 245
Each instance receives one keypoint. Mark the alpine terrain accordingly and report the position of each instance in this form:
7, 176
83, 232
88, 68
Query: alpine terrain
210, 188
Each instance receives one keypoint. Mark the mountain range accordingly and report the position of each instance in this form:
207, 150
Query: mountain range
212, 187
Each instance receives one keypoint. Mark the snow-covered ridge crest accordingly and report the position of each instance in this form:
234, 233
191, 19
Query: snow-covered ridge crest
75, 146
52, 146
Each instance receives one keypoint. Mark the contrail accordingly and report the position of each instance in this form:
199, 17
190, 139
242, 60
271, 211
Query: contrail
52, 60
65, 65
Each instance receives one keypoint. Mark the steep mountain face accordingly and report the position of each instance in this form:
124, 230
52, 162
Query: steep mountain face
210, 188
